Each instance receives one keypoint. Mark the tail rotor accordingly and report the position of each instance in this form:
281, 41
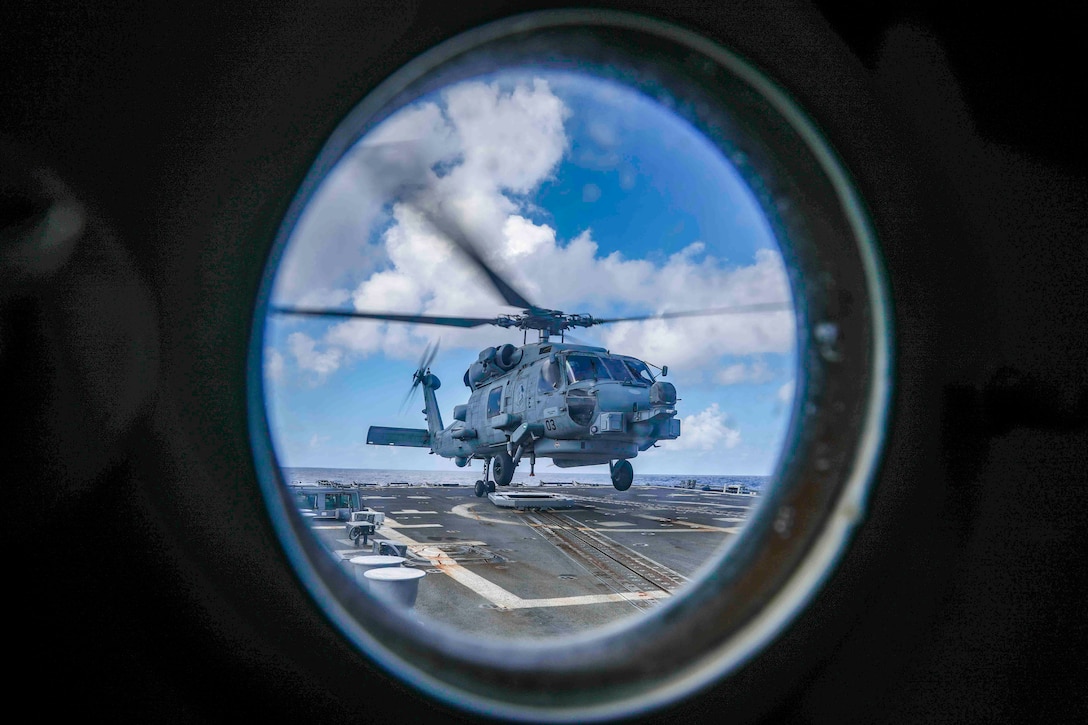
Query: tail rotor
421, 371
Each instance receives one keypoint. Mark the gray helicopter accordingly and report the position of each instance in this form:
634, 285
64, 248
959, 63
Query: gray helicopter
578, 405
575, 404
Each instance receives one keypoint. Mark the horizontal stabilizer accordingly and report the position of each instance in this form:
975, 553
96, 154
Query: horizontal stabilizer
414, 437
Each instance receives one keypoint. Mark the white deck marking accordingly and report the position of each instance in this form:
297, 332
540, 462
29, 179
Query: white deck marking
466, 511
616, 523
413, 511
590, 599
695, 529
487, 589
731, 521
695, 526
412, 526
352, 552
495, 594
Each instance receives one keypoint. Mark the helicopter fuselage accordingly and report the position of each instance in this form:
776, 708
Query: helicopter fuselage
575, 404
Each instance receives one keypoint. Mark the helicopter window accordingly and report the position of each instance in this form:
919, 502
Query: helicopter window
580, 406
640, 372
586, 367
493, 400
615, 368
550, 377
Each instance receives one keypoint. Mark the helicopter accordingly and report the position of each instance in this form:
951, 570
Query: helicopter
577, 404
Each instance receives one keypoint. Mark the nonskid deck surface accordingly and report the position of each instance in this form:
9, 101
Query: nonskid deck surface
507, 572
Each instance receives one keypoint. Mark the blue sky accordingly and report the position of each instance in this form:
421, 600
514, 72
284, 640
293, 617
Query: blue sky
590, 198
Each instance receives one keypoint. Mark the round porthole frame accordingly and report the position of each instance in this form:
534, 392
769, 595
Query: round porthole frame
796, 535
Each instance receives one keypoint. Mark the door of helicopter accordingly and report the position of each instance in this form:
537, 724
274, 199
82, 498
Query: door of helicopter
496, 404
547, 379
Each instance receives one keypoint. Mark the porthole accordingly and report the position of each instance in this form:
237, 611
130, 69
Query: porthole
428, 158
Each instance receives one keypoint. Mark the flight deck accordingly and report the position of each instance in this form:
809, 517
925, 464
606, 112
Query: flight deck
583, 557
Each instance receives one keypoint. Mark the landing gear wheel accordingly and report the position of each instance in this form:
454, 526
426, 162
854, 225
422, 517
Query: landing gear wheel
355, 534
481, 489
491, 487
504, 468
622, 475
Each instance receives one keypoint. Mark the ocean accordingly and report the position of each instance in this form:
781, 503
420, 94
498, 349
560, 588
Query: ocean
467, 477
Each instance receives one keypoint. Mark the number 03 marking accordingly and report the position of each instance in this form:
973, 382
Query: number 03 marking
549, 424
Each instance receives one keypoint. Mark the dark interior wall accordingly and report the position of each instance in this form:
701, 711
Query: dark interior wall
123, 378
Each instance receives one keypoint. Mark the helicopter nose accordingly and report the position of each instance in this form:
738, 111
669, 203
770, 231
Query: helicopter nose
622, 399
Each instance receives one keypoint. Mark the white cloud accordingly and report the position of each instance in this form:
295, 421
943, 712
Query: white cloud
308, 358
785, 393
330, 250
523, 238
706, 430
512, 140
695, 342
754, 372
488, 142
323, 297
274, 366
493, 145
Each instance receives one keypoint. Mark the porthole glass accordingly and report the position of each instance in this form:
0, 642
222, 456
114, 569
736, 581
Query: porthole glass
642, 220
586, 195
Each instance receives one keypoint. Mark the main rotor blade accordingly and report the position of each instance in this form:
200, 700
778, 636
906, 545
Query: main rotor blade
567, 337
443, 223
389, 316
759, 307
450, 229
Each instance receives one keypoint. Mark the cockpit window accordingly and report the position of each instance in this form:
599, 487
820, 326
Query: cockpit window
586, 367
640, 372
550, 376
616, 369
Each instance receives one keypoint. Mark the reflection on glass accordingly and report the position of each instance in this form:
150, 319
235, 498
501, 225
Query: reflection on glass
639, 370
586, 367
530, 222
